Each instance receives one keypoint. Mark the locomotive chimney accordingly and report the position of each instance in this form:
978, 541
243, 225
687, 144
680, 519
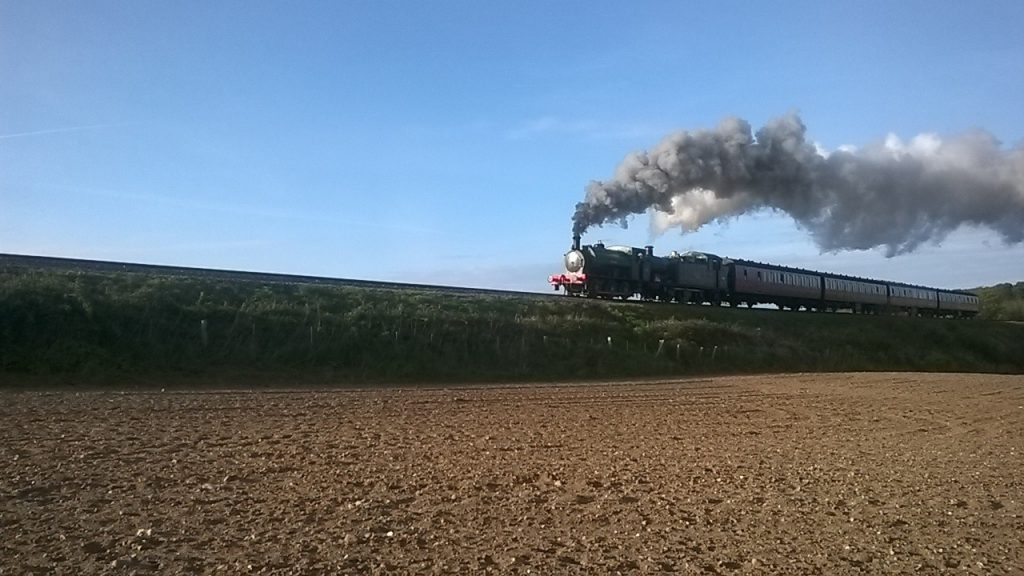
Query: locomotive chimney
575, 241
649, 249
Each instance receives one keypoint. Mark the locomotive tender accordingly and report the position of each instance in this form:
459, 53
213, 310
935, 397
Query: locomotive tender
599, 271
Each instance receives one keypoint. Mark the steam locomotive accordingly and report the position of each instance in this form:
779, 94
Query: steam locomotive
599, 271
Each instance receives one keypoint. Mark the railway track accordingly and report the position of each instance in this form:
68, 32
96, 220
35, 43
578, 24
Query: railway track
8, 261
105, 266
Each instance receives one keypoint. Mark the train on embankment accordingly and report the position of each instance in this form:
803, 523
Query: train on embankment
599, 271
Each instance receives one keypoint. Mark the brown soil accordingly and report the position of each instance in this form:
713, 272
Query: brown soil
799, 474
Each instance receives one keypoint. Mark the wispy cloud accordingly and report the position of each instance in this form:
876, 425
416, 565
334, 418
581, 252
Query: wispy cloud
245, 210
63, 130
143, 249
588, 129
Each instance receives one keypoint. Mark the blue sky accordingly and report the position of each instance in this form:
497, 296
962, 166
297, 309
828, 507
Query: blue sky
449, 142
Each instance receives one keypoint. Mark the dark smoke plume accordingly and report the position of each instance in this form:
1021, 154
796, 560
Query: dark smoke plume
892, 194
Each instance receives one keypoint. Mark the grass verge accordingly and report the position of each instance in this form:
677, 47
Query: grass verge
95, 327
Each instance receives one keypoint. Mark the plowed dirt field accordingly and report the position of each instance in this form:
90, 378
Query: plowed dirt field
797, 474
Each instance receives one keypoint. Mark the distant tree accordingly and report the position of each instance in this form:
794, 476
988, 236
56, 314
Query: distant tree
1002, 301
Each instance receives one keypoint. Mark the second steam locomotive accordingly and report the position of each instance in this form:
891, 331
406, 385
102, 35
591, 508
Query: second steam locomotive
600, 271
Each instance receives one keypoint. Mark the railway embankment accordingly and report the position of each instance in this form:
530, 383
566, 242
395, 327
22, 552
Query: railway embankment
95, 327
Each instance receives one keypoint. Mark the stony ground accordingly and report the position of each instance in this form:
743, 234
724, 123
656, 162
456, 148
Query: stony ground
811, 474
